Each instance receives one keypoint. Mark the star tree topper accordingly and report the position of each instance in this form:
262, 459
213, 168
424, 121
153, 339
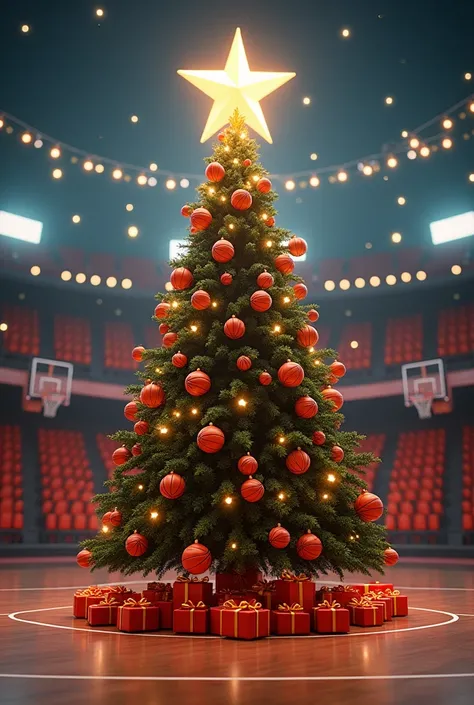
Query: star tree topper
236, 87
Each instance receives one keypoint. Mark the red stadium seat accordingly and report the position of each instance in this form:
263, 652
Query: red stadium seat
80, 521
64, 522
11, 491
404, 523
419, 522
22, 335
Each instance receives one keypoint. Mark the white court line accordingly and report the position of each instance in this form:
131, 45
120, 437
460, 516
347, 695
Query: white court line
465, 615
14, 617
411, 676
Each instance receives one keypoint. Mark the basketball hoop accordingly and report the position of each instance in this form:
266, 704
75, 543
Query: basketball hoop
51, 403
422, 402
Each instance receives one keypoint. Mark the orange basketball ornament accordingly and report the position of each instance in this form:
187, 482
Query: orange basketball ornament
196, 558
163, 328
152, 395
300, 291
172, 486
181, 278
309, 547
141, 427
252, 490
162, 309
264, 185
137, 353
106, 519
284, 263
306, 407
279, 537
136, 449
338, 369
247, 465
215, 172
115, 518
121, 455
337, 454
297, 246
169, 339
210, 439
201, 219
130, 411
260, 301
319, 438
241, 200
368, 506
265, 280
84, 558
270, 221
226, 279
247, 162
179, 359
222, 250
390, 556
333, 396
265, 378
186, 211
244, 363
291, 374
313, 315
298, 462
234, 328
307, 336
197, 383
136, 544
200, 300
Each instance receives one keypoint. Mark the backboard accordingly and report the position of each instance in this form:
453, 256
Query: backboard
50, 381
424, 382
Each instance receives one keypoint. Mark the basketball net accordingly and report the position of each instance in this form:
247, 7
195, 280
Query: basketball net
422, 402
51, 403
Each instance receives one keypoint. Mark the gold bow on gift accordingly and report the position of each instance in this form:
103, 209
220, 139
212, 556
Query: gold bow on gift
392, 593
325, 604
92, 591
131, 602
295, 607
108, 600
360, 602
189, 605
183, 579
119, 589
288, 575
263, 586
160, 587
243, 605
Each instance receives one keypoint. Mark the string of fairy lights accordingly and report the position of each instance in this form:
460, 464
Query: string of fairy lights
418, 143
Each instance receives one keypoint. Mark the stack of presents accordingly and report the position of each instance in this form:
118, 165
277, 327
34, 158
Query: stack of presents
241, 607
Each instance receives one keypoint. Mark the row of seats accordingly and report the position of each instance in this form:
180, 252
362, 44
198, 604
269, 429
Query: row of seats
456, 331
468, 478
11, 492
404, 340
415, 499
372, 444
355, 346
22, 336
72, 339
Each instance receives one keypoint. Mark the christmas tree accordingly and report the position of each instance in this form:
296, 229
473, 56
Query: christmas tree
242, 463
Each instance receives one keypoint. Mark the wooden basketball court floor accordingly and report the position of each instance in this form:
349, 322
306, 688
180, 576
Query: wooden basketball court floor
49, 658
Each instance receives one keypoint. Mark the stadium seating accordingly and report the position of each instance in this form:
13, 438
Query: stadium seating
11, 502
360, 357
119, 344
468, 478
415, 498
66, 481
22, 336
372, 444
72, 339
404, 340
456, 331
106, 447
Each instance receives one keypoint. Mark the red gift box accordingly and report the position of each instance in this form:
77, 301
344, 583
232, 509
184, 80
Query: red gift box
365, 614
138, 616
246, 620
191, 618
104, 613
262, 592
330, 618
121, 593
341, 593
194, 589
83, 599
240, 582
379, 598
158, 592
290, 620
291, 588
215, 614
365, 588
166, 613
399, 603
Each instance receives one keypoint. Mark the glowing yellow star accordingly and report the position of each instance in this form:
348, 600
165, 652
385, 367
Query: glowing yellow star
236, 87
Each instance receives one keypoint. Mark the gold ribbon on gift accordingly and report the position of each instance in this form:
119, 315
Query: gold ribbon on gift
187, 581
244, 605
92, 591
364, 602
119, 589
299, 579
262, 586
333, 606
189, 605
131, 602
110, 602
393, 594
292, 609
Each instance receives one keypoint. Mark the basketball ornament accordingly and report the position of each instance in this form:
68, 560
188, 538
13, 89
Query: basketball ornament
169, 339
244, 363
196, 558
222, 250
368, 506
265, 378
163, 328
241, 200
186, 211
247, 162
193, 230
121, 455
313, 315
247, 465
84, 558
337, 454
338, 369
390, 556
309, 547
279, 537
291, 374
234, 328
298, 462
136, 450
172, 486
284, 263
264, 185
319, 438
210, 439
300, 290
137, 353
215, 172
226, 279
265, 280
333, 396
307, 336
200, 300
306, 407
152, 395
179, 359
297, 246
136, 545
252, 490
201, 219
260, 301
270, 221
141, 427
181, 278
130, 411
162, 310
115, 518
106, 519
221, 136
197, 383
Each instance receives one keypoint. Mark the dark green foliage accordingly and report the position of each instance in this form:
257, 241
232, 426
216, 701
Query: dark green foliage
201, 513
